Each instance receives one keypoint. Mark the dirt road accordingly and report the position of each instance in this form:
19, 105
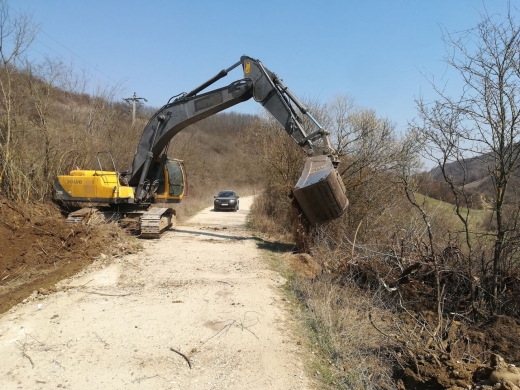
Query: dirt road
199, 296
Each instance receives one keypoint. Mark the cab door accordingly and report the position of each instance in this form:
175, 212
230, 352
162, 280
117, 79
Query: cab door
173, 185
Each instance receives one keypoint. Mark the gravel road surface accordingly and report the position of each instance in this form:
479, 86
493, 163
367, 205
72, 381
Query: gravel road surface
201, 296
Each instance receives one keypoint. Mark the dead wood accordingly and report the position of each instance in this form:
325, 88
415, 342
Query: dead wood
183, 355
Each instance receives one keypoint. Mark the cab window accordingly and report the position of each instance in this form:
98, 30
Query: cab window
175, 178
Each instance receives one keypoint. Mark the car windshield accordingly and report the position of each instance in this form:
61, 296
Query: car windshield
226, 194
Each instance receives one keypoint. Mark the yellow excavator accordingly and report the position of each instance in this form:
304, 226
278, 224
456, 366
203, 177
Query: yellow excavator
155, 178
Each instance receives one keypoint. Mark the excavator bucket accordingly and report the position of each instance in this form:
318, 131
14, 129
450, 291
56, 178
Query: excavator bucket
320, 192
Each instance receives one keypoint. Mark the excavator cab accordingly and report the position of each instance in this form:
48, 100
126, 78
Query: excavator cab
170, 178
167, 178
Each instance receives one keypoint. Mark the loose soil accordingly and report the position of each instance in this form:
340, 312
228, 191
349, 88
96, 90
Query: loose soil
38, 249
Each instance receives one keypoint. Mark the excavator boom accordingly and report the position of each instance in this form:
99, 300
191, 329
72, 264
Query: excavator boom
320, 200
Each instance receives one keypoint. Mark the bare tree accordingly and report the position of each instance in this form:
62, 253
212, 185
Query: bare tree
365, 141
16, 35
483, 122
42, 81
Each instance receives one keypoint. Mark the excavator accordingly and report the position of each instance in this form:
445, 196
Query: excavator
153, 178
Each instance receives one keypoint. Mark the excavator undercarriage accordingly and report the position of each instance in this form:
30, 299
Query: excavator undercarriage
147, 223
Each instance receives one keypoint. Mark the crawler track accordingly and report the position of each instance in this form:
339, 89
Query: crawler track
151, 222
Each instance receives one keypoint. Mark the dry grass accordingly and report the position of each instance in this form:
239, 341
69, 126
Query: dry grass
344, 350
271, 215
352, 353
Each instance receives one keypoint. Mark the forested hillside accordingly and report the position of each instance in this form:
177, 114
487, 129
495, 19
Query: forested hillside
473, 175
48, 130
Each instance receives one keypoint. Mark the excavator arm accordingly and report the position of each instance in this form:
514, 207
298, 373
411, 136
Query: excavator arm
270, 91
319, 193
174, 117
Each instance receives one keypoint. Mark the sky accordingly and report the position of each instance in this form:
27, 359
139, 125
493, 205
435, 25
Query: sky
376, 51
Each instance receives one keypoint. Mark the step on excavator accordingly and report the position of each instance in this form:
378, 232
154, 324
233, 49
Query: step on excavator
154, 178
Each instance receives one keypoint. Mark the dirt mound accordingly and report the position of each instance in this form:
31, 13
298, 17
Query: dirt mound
461, 357
502, 337
305, 265
39, 249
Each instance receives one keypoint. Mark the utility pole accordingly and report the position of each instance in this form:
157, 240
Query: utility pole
134, 101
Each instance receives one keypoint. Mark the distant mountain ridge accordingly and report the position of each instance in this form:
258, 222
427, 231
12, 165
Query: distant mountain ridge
474, 175
476, 169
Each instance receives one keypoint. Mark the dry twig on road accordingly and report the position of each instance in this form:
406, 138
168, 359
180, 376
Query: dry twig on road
101, 340
106, 294
183, 355
242, 323
143, 378
23, 348
224, 330
221, 281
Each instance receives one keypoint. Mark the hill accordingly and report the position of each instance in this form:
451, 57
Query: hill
474, 175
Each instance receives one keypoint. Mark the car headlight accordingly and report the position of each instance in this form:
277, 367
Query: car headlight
232, 201
217, 201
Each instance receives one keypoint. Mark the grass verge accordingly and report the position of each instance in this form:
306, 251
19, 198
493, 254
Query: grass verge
344, 349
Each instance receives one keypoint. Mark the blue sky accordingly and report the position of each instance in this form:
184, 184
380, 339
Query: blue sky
373, 50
